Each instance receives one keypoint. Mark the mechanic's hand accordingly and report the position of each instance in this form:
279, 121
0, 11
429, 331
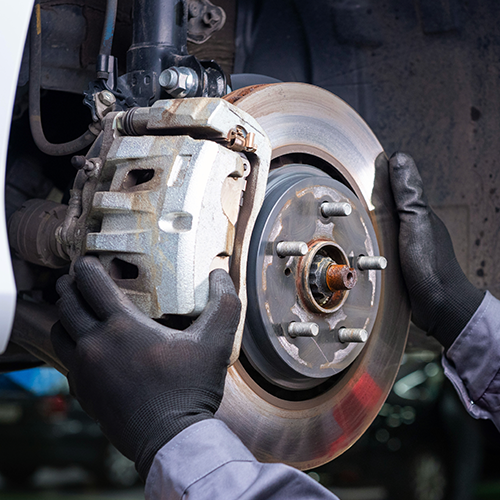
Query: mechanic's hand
144, 383
442, 298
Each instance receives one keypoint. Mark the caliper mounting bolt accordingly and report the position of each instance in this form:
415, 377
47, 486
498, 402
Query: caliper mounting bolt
359, 335
291, 248
371, 263
341, 209
107, 98
305, 329
179, 82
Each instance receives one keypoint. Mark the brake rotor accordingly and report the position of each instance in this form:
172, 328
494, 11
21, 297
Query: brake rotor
303, 399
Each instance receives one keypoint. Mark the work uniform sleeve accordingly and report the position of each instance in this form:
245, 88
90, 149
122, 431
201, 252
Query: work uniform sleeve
208, 461
472, 363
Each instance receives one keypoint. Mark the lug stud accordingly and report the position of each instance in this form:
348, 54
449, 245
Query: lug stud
298, 329
341, 209
371, 263
291, 248
359, 335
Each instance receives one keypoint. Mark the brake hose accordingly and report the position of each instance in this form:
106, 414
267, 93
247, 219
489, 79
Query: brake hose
45, 146
105, 61
109, 27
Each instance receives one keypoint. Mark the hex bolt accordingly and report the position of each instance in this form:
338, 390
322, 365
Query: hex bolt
298, 329
179, 81
371, 263
341, 209
107, 98
358, 335
291, 248
168, 79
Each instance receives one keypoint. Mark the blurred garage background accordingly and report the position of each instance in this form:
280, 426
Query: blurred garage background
425, 75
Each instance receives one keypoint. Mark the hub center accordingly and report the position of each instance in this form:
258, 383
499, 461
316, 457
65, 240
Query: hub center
325, 277
311, 307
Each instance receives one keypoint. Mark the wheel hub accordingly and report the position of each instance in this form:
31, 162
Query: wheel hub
319, 288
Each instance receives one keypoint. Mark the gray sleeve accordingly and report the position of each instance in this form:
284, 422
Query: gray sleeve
207, 461
472, 363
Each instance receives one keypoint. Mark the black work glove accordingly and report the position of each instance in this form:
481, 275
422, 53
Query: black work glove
442, 299
144, 383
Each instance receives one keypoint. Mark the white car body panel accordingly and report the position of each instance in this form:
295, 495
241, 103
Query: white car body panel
13, 29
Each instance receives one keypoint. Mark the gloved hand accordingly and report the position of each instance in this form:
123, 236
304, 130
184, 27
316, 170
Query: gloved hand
442, 299
144, 383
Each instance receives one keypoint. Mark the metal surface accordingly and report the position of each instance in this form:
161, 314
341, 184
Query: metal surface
204, 19
281, 289
291, 248
308, 427
340, 277
171, 227
336, 209
32, 231
179, 82
403, 66
160, 199
297, 329
367, 263
168, 204
106, 97
353, 335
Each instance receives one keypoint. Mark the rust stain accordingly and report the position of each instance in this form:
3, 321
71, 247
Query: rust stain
38, 20
340, 277
235, 96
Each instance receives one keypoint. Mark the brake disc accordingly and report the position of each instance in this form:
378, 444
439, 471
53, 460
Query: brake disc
304, 398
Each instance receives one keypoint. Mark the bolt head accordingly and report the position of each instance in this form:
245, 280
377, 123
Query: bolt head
179, 82
168, 78
107, 98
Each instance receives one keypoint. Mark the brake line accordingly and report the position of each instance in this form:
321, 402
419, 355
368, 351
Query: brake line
89, 136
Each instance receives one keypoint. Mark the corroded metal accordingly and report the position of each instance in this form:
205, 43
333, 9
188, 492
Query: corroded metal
174, 227
204, 19
293, 288
313, 285
308, 428
171, 197
161, 198
359, 335
340, 277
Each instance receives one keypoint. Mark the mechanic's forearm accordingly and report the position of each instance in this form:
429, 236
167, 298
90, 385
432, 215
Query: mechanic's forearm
208, 461
472, 363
